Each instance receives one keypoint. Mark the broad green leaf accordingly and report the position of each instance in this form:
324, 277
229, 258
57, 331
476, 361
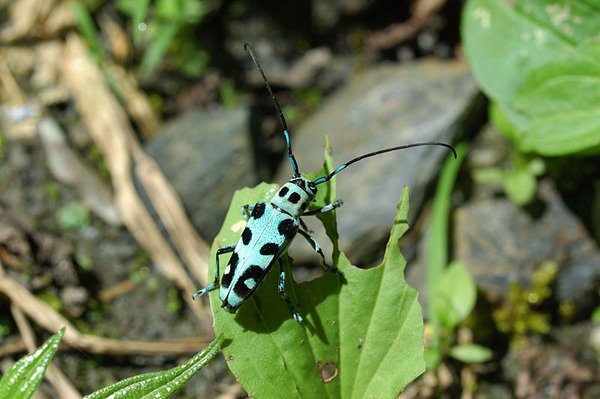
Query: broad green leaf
471, 353
23, 378
455, 297
560, 86
503, 46
161, 384
568, 19
363, 334
562, 101
565, 133
504, 121
539, 61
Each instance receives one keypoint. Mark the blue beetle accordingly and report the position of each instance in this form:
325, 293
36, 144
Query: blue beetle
273, 225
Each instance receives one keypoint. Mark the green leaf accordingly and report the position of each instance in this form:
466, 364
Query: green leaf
73, 216
596, 315
161, 384
163, 34
562, 99
437, 244
455, 296
23, 378
489, 175
437, 235
363, 332
504, 121
87, 27
539, 61
571, 20
520, 186
561, 86
471, 353
181, 11
565, 133
504, 45
137, 10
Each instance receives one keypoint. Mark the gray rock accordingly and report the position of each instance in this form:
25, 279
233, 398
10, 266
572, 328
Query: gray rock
386, 106
206, 155
502, 243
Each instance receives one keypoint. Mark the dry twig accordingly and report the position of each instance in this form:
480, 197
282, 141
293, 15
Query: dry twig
59, 381
52, 321
394, 34
110, 128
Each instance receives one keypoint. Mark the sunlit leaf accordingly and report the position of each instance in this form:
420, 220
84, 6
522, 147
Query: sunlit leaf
363, 333
161, 384
455, 295
471, 353
23, 378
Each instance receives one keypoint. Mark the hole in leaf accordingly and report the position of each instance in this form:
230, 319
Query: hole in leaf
328, 371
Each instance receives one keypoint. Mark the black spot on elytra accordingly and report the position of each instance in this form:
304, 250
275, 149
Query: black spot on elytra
294, 198
254, 272
246, 236
287, 228
283, 191
259, 210
269, 249
303, 206
227, 277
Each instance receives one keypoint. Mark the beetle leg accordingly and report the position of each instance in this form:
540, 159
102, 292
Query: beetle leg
215, 284
313, 243
281, 291
304, 226
326, 208
247, 211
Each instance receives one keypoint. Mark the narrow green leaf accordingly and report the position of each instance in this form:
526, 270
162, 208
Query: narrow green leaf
163, 35
137, 10
23, 378
437, 235
437, 240
363, 332
87, 27
471, 353
161, 384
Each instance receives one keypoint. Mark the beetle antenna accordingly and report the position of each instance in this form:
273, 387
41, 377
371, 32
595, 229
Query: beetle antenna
371, 154
286, 133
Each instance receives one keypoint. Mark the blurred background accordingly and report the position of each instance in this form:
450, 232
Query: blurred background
126, 126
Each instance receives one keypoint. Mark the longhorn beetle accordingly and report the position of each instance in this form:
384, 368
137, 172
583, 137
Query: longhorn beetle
273, 225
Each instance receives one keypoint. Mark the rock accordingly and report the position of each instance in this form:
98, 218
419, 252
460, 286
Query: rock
206, 155
386, 106
501, 243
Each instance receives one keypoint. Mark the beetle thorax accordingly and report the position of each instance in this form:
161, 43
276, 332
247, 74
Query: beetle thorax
294, 196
